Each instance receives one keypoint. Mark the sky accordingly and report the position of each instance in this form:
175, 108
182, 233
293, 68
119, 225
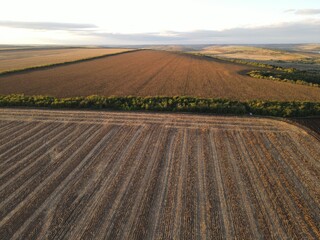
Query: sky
116, 22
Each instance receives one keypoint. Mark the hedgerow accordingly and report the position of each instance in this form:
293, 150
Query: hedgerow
171, 104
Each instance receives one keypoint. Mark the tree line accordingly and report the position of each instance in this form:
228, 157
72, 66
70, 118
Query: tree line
170, 104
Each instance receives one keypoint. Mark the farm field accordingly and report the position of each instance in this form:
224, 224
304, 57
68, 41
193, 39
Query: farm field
117, 175
258, 53
153, 73
12, 59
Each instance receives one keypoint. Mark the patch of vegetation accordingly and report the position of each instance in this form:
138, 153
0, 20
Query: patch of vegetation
250, 63
171, 104
298, 77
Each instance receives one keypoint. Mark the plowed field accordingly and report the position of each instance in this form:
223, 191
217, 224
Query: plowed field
112, 175
150, 73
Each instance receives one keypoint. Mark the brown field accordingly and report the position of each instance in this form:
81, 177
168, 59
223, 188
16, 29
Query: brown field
114, 175
256, 53
24, 58
312, 123
150, 73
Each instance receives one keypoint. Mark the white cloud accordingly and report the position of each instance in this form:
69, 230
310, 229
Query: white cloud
69, 33
304, 11
46, 25
308, 11
297, 32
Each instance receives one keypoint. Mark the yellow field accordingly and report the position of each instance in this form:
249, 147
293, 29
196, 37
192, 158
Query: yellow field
19, 59
254, 53
309, 47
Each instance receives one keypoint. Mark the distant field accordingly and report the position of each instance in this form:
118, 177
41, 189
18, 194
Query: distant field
114, 175
152, 73
255, 53
309, 47
23, 58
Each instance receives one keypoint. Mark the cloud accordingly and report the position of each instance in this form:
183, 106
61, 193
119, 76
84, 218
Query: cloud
307, 31
47, 25
289, 10
303, 11
298, 32
308, 11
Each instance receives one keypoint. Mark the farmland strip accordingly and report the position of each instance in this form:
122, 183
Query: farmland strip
180, 187
141, 195
228, 227
202, 206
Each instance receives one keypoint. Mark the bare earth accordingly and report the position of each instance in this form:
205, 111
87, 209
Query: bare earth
24, 58
312, 123
151, 73
113, 175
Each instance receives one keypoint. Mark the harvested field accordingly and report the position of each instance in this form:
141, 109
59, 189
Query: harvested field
13, 59
152, 73
116, 175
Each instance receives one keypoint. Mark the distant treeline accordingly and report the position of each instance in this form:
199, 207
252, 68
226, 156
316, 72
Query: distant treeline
171, 104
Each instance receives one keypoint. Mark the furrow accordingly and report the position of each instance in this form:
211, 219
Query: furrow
122, 181
226, 218
118, 159
179, 201
202, 206
25, 172
88, 190
268, 172
12, 127
52, 185
28, 144
123, 208
23, 190
167, 215
190, 217
164, 182
245, 201
271, 216
306, 216
145, 186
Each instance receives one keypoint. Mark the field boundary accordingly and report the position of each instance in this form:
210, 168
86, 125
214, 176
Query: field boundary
47, 66
168, 104
300, 125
